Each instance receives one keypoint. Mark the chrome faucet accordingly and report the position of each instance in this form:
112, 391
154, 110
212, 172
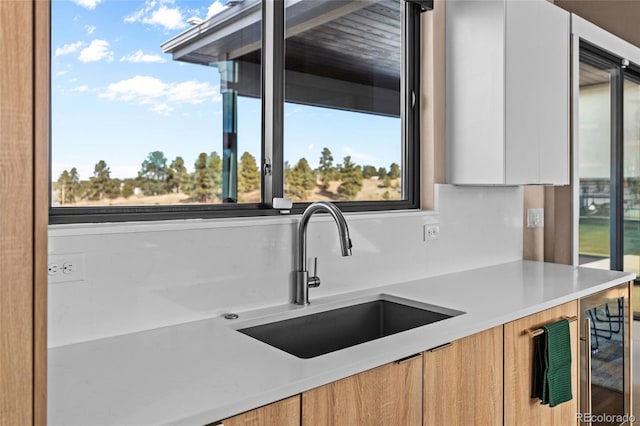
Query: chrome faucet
303, 280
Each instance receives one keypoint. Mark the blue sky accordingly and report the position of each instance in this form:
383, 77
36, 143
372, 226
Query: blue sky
116, 96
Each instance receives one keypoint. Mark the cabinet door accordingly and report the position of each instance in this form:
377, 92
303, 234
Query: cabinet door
281, 413
388, 395
537, 93
463, 381
519, 407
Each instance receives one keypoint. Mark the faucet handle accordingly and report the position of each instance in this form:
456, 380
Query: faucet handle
314, 281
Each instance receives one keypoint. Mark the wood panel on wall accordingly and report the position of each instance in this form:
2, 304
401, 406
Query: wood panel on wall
16, 212
533, 238
432, 104
24, 187
42, 64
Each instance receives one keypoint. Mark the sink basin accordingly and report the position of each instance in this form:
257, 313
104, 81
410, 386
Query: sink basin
320, 333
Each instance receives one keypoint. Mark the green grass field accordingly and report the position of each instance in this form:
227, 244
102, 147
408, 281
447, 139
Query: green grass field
594, 236
594, 240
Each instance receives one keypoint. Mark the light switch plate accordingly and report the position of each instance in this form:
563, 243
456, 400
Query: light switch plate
535, 218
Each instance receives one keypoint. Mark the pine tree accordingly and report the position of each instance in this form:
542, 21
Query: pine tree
99, 182
394, 171
300, 180
351, 177
368, 172
127, 189
326, 170
63, 185
153, 174
214, 163
176, 175
112, 190
69, 186
382, 173
202, 184
248, 173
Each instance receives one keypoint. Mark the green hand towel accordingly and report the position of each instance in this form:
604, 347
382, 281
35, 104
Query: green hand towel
552, 364
538, 389
558, 361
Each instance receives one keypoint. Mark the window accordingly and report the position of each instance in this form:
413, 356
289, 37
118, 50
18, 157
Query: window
608, 162
188, 109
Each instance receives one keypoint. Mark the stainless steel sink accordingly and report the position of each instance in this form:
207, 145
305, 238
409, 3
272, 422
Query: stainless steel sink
323, 332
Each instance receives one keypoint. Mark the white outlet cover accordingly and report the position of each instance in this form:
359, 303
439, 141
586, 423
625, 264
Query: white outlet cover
431, 231
77, 259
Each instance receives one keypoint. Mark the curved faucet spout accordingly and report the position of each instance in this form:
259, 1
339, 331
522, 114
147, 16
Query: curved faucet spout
303, 282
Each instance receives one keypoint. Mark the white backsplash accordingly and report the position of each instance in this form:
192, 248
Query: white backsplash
139, 276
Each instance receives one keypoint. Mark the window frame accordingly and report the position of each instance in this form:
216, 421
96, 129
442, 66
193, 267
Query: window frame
595, 56
272, 91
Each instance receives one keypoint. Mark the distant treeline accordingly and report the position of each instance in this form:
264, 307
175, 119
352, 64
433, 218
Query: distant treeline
158, 176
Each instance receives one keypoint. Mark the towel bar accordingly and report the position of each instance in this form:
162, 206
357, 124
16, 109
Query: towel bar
539, 331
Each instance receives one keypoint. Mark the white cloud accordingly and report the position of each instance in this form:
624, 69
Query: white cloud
96, 51
163, 109
215, 8
83, 88
158, 13
140, 56
87, 4
162, 97
69, 48
90, 29
143, 89
310, 147
192, 92
61, 73
169, 18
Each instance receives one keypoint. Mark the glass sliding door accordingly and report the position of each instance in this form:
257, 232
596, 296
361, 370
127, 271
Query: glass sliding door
631, 170
594, 153
609, 163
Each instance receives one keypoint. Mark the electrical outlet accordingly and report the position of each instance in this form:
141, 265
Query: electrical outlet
53, 269
69, 267
431, 231
66, 268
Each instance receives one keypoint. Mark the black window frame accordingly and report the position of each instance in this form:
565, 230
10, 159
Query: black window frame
272, 184
602, 59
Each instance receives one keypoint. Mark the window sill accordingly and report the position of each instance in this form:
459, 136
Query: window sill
76, 229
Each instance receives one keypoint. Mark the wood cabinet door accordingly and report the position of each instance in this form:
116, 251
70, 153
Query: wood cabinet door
519, 407
463, 381
388, 395
281, 413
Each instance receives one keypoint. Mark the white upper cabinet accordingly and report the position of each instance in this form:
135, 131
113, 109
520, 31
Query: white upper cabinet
507, 92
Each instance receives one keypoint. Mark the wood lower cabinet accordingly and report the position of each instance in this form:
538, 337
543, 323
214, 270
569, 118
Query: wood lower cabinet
519, 407
483, 379
281, 413
463, 381
388, 395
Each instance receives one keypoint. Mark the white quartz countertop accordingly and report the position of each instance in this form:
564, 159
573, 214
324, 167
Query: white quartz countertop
200, 372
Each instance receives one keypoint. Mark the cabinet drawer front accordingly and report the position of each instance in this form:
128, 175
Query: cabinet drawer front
385, 396
463, 381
